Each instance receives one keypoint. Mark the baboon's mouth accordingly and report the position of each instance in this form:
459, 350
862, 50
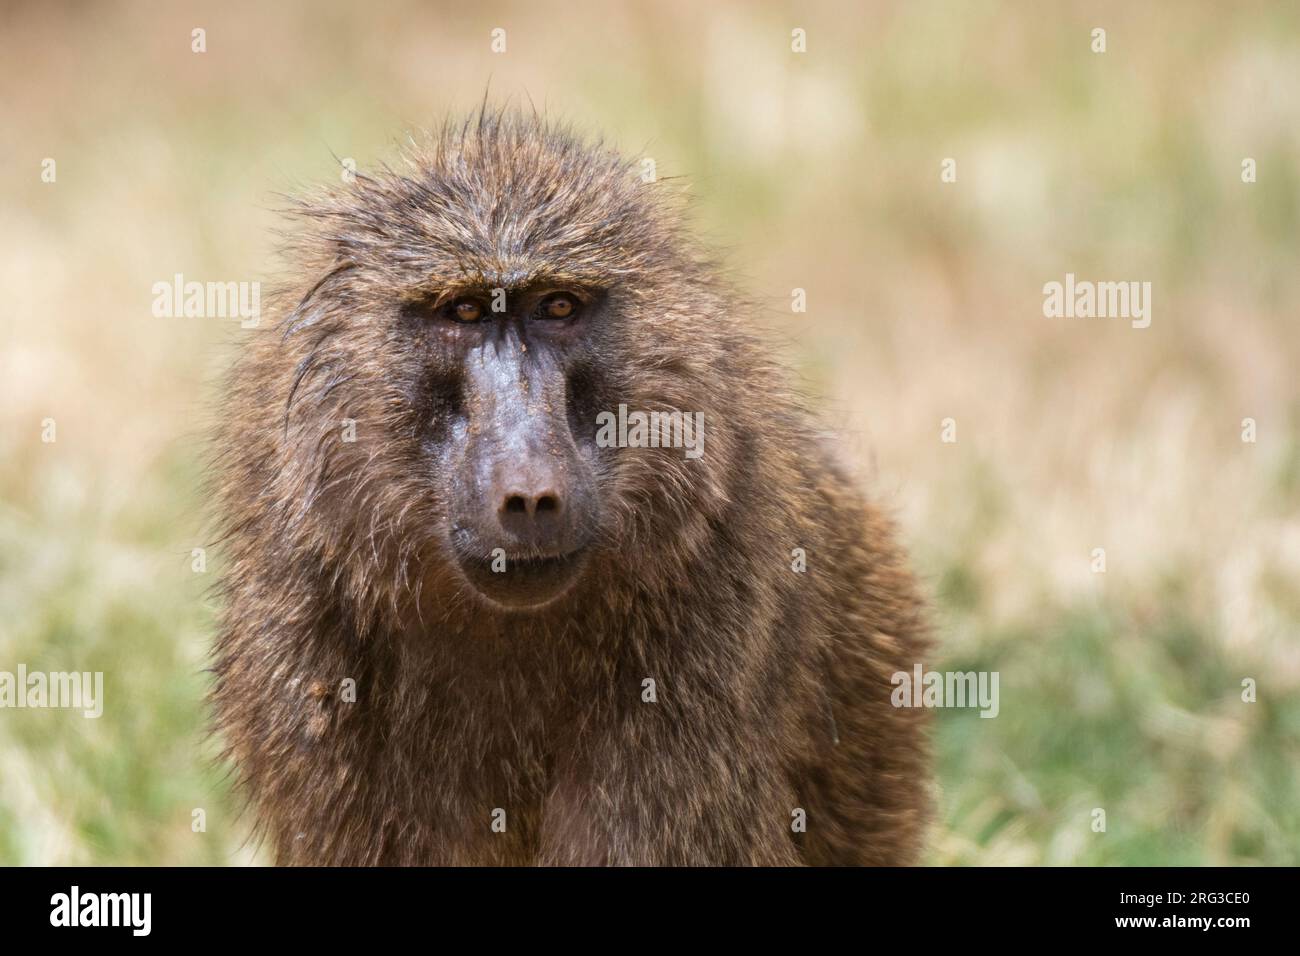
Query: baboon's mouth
525, 582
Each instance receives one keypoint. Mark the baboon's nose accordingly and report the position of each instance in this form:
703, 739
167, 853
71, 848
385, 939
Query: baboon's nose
531, 505
532, 513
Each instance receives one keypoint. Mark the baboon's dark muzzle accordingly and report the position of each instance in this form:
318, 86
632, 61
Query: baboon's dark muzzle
522, 494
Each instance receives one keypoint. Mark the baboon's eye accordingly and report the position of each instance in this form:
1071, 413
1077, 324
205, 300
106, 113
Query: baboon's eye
559, 305
466, 310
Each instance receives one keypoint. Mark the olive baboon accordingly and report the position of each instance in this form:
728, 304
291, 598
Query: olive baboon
458, 628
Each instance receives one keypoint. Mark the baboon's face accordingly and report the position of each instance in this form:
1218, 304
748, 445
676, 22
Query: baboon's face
511, 431
482, 310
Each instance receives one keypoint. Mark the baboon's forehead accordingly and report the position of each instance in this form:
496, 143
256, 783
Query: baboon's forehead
508, 240
503, 204
510, 227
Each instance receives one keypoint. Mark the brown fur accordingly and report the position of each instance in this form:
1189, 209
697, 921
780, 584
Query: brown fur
773, 686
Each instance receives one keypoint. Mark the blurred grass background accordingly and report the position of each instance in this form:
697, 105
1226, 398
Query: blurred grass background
818, 171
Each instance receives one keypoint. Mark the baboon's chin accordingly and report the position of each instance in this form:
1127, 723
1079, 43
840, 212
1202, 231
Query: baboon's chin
523, 584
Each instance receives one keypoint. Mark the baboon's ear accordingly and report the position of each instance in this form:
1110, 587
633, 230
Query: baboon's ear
311, 308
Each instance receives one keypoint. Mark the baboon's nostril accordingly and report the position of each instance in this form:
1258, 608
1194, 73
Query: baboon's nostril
548, 502
533, 518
